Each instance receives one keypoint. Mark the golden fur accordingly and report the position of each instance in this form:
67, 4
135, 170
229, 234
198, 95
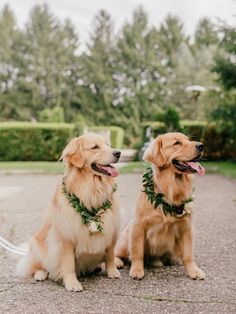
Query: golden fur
64, 247
151, 233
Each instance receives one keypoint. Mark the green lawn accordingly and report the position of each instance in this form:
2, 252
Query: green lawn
37, 166
222, 167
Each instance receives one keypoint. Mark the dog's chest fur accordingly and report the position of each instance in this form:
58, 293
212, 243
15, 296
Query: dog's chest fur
163, 233
89, 248
163, 237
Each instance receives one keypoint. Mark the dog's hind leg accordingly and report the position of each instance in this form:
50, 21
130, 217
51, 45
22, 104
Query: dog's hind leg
32, 263
26, 266
118, 262
110, 266
121, 248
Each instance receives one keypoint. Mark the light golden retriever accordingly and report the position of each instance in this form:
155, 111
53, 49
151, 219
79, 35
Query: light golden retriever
152, 233
65, 247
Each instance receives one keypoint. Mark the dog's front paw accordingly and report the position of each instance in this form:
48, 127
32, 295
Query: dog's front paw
136, 273
196, 273
72, 284
40, 275
113, 273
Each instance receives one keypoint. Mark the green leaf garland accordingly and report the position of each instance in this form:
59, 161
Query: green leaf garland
157, 199
88, 216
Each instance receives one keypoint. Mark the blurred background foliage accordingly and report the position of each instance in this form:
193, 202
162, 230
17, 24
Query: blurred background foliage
141, 74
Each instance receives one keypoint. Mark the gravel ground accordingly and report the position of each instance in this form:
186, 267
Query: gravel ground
23, 199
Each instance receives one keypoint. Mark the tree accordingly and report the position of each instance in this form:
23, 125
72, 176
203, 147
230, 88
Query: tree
206, 34
122, 79
139, 73
10, 38
171, 37
98, 63
225, 61
50, 61
188, 64
224, 111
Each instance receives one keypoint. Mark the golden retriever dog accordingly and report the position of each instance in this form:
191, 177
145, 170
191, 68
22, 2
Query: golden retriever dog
69, 243
162, 226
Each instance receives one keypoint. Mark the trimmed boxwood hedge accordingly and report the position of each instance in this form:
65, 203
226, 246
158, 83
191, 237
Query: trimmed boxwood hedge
194, 129
219, 143
33, 141
43, 141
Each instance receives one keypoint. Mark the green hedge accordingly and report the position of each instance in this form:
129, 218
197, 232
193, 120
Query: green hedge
219, 144
194, 129
43, 141
117, 134
29, 141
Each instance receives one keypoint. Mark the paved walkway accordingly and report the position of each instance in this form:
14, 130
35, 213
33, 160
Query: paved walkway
163, 290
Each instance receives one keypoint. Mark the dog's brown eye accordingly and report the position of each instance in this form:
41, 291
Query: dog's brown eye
95, 147
177, 143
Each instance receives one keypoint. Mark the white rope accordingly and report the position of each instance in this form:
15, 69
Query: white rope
11, 247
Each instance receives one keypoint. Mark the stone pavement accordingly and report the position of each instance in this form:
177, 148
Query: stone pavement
23, 198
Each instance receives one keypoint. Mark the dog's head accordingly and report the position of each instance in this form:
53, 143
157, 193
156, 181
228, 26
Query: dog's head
91, 152
176, 151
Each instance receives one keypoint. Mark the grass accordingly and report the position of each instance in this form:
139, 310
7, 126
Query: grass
32, 166
224, 168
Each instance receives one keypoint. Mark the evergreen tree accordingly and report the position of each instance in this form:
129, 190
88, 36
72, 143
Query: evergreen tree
226, 60
171, 37
9, 60
139, 72
50, 69
206, 34
122, 79
97, 67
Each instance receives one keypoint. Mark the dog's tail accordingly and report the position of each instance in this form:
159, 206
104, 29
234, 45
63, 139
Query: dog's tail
25, 267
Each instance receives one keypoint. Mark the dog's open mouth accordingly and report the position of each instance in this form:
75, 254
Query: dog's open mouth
108, 170
190, 166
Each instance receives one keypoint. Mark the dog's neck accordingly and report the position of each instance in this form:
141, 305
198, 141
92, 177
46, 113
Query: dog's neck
175, 187
92, 190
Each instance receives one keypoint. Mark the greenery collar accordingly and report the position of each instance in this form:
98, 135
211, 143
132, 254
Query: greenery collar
91, 218
157, 199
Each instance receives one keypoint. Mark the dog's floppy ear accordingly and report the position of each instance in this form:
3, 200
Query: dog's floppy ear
73, 153
154, 153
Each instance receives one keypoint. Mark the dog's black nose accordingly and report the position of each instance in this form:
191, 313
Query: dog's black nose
116, 153
199, 147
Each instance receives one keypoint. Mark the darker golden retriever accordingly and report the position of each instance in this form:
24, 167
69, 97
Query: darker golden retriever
163, 221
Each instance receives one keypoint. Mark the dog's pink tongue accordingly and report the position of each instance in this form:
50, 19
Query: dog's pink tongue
112, 170
196, 166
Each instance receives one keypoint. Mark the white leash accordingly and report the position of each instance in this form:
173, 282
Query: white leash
11, 247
